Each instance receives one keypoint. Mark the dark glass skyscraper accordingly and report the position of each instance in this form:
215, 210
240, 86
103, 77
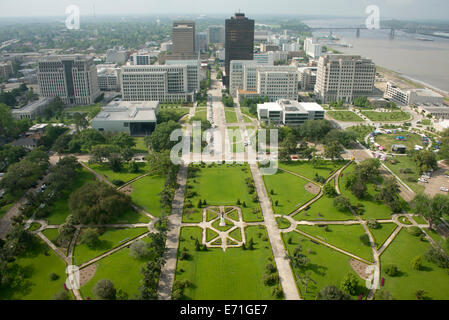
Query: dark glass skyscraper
239, 40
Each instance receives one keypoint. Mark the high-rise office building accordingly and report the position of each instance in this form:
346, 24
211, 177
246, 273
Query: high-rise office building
73, 78
239, 34
216, 34
183, 37
201, 42
344, 77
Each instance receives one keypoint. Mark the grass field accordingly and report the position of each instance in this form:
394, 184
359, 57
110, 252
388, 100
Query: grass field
430, 278
201, 113
327, 266
309, 170
289, 190
110, 239
343, 237
236, 140
382, 233
141, 146
372, 209
223, 185
123, 175
36, 283
410, 178
5, 209
387, 140
396, 116
122, 269
146, 194
235, 274
324, 210
361, 130
59, 209
231, 117
346, 116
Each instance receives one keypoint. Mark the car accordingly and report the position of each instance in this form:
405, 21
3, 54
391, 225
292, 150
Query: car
425, 176
444, 189
423, 180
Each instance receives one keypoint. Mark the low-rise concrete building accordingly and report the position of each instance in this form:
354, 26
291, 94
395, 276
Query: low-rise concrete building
439, 112
289, 112
412, 96
30, 111
137, 118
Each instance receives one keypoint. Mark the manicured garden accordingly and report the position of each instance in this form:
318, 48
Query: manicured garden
110, 239
324, 210
286, 191
346, 116
231, 116
430, 278
326, 267
395, 116
310, 169
145, 194
234, 274
221, 185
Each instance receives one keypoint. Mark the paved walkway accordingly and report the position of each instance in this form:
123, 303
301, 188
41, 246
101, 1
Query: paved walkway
283, 264
167, 276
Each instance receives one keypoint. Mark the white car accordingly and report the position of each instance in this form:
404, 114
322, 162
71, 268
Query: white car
444, 189
425, 176
423, 180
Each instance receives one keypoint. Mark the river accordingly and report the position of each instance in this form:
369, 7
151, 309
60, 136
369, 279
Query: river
424, 61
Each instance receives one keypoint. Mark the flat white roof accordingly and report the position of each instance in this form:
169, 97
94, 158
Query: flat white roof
270, 106
311, 106
133, 111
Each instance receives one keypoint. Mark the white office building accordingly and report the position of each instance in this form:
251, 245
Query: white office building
116, 55
412, 96
344, 77
108, 77
307, 78
289, 112
270, 57
312, 48
133, 117
73, 78
178, 80
249, 78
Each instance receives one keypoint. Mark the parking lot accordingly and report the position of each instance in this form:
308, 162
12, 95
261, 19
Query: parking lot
437, 180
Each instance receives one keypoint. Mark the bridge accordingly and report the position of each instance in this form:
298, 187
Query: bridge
357, 29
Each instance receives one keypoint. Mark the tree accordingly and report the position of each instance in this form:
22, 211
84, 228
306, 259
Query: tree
104, 290
123, 141
416, 263
61, 295
420, 294
90, 237
133, 167
430, 209
329, 191
159, 163
332, 293
392, 270
103, 151
389, 194
305, 279
98, 203
333, 150
342, 203
160, 138
80, 121
141, 250
426, 160
383, 295
115, 162
349, 284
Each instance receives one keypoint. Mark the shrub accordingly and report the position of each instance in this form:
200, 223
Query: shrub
342, 203
118, 183
414, 231
61, 295
104, 290
277, 292
53, 276
364, 238
271, 279
270, 268
140, 250
416, 263
373, 224
391, 270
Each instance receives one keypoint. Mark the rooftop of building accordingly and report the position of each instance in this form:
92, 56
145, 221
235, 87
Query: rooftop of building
32, 106
435, 109
78, 57
291, 106
134, 111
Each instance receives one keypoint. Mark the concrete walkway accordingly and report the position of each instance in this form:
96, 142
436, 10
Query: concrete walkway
167, 276
288, 282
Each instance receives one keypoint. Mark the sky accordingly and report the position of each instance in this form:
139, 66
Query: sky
397, 9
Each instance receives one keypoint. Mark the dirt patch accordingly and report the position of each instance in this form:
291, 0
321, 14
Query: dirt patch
87, 273
127, 190
312, 188
360, 268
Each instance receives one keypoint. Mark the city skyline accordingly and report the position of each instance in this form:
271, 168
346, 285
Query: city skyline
398, 9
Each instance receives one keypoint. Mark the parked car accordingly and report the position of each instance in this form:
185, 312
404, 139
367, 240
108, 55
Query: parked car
444, 189
423, 180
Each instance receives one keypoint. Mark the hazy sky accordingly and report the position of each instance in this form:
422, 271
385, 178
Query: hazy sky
401, 9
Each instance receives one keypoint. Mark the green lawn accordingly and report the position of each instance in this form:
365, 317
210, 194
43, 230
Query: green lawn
343, 237
381, 235
288, 189
362, 131
430, 278
141, 146
36, 284
231, 117
387, 140
419, 219
5, 209
201, 113
327, 266
245, 111
411, 179
146, 192
222, 185
324, 210
372, 209
121, 269
59, 209
123, 175
309, 170
232, 275
110, 239
387, 116
235, 139
346, 116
